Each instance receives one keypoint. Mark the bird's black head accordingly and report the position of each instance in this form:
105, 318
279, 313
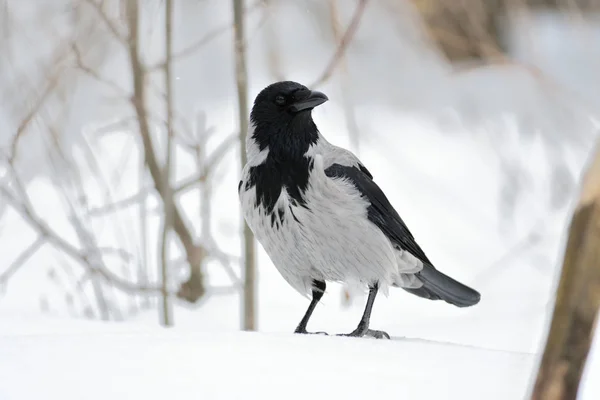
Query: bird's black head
284, 101
281, 114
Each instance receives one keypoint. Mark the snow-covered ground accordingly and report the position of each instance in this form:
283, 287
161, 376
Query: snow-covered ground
67, 360
158, 365
447, 192
438, 144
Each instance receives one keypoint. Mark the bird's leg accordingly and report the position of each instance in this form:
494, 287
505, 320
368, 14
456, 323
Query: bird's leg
363, 326
317, 293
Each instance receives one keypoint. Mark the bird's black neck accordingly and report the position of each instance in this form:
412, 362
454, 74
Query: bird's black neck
286, 165
287, 140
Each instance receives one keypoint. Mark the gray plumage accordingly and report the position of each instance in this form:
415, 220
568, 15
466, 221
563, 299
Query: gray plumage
332, 240
320, 216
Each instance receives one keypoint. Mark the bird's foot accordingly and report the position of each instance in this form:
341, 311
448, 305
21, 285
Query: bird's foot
372, 333
377, 334
304, 332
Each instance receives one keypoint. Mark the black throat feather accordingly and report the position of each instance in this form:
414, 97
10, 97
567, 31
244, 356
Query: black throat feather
286, 165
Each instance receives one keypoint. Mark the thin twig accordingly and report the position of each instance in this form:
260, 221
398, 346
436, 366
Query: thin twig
516, 250
121, 253
209, 165
107, 21
69, 183
121, 204
204, 40
94, 74
343, 45
222, 290
225, 260
23, 257
95, 166
53, 238
52, 83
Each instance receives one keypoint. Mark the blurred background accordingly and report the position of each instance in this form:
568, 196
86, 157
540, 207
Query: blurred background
120, 154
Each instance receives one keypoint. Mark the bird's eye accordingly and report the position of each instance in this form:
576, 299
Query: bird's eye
280, 100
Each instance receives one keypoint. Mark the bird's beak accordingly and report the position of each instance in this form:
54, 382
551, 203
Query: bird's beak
314, 99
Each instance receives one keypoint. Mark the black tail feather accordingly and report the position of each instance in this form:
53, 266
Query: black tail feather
439, 286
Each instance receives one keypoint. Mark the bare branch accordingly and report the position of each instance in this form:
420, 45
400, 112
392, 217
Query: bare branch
94, 74
222, 290
225, 260
121, 253
143, 229
241, 78
204, 40
110, 127
52, 83
209, 165
22, 259
195, 254
515, 251
107, 21
272, 43
120, 204
124, 286
343, 45
49, 235
167, 314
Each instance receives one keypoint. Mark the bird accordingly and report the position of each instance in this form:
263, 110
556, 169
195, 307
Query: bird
320, 217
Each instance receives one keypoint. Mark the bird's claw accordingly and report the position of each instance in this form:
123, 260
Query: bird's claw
377, 334
312, 333
368, 333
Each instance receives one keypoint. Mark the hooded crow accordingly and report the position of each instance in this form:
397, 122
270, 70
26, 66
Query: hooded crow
320, 216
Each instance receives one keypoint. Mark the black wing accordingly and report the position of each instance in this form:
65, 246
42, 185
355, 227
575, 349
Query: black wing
380, 212
436, 285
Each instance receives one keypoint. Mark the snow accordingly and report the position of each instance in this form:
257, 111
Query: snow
438, 144
166, 364
78, 360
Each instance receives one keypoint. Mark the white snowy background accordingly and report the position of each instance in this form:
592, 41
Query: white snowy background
482, 164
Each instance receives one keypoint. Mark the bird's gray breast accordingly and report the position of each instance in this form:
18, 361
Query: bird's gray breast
271, 197
316, 230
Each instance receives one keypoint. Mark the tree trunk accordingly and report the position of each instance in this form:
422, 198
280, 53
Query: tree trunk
577, 298
241, 75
